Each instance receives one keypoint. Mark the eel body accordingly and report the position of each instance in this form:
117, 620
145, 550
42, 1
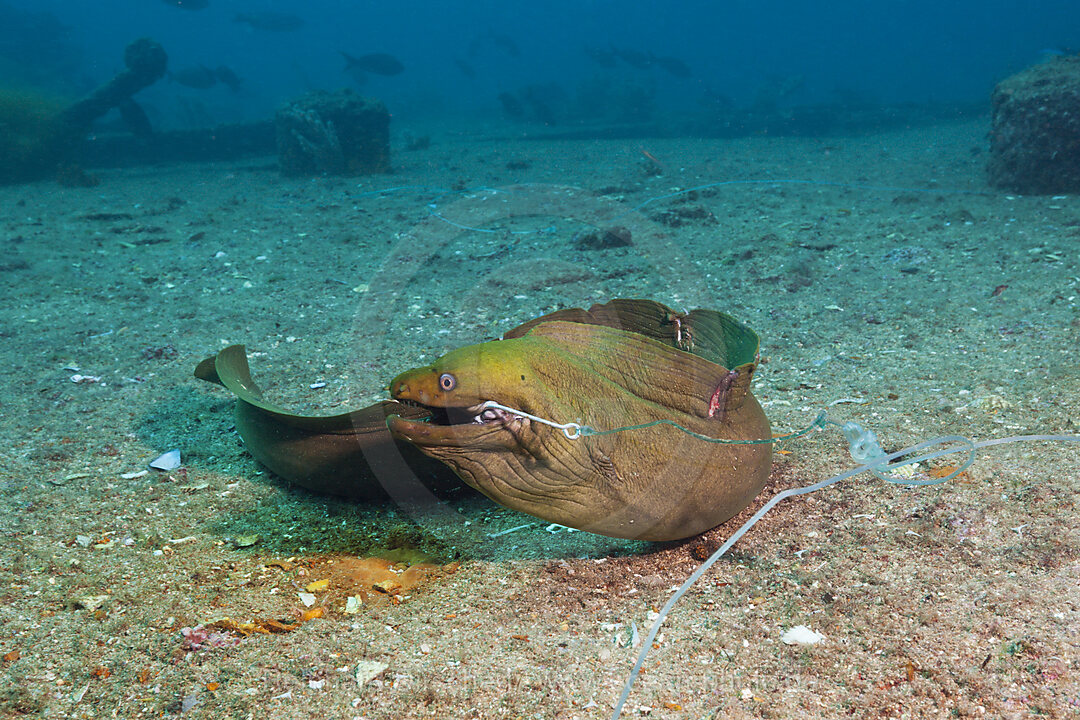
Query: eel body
350, 455
649, 483
618, 365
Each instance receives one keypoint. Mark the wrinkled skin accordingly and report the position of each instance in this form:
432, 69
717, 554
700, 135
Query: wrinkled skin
620, 363
656, 483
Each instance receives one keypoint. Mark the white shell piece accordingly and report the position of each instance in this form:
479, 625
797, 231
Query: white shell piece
801, 635
166, 461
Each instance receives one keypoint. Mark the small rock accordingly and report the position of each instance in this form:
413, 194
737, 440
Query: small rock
89, 602
612, 237
388, 586
245, 540
993, 402
368, 670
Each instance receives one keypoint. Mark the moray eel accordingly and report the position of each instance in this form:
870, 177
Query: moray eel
351, 454
622, 363
629, 362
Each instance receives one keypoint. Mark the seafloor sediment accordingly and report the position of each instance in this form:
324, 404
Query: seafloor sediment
891, 287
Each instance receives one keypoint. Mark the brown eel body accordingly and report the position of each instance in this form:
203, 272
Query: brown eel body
620, 364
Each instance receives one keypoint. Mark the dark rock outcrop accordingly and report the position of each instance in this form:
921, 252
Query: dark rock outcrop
338, 133
1035, 136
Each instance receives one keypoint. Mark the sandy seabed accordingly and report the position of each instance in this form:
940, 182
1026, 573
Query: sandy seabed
893, 287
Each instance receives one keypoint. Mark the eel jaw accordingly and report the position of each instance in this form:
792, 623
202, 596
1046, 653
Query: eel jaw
457, 426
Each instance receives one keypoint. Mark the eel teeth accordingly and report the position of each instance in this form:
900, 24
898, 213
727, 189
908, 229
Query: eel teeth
489, 415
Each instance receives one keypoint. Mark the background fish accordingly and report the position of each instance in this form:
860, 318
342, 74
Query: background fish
378, 63
226, 76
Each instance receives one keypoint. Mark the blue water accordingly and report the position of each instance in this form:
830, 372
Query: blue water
738, 51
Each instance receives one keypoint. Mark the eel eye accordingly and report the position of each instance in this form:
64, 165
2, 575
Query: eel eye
447, 381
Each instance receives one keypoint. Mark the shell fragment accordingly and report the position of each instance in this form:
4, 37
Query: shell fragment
801, 635
166, 461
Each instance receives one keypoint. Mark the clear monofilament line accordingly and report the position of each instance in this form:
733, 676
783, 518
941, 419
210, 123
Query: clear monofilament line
571, 430
872, 465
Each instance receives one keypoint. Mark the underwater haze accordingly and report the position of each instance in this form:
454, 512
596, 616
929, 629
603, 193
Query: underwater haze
458, 57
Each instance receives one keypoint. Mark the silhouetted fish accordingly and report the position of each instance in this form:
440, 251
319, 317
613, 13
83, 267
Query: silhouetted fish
200, 77
378, 63
673, 66
634, 58
188, 4
228, 77
272, 21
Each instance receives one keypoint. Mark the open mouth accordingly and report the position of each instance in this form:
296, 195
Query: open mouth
475, 426
479, 414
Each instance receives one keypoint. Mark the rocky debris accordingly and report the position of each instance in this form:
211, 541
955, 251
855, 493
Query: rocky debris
333, 133
1035, 134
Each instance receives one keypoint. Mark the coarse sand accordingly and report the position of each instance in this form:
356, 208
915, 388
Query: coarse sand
889, 285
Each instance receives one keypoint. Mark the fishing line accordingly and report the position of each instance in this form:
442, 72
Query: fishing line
864, 448
863, 445
873, 466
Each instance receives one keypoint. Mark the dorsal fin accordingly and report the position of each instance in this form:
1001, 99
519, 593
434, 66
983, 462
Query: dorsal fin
713, 335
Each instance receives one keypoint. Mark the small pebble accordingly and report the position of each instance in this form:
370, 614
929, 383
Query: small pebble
89, 602
245, 540
368, 670
387, 586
